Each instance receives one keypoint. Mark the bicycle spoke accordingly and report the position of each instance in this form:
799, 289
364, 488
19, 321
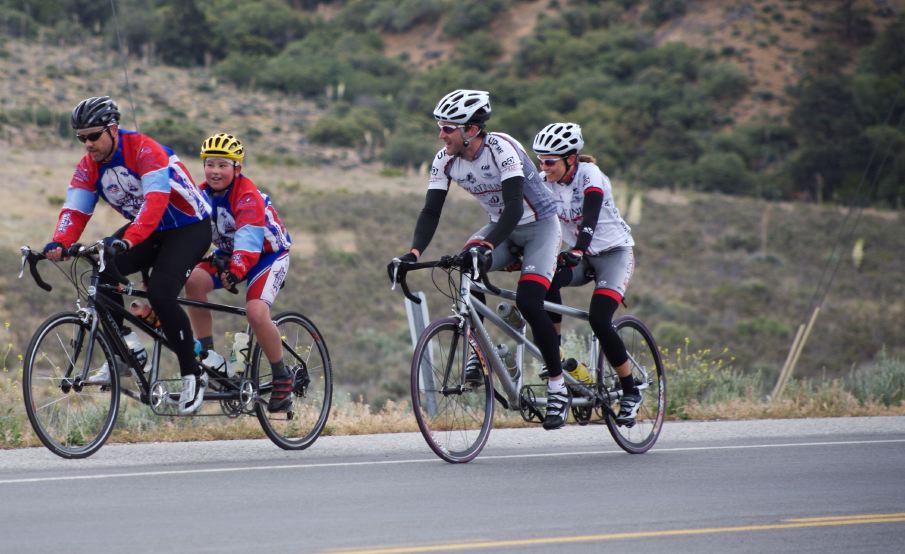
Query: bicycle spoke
454, 418
304, 354
73, 422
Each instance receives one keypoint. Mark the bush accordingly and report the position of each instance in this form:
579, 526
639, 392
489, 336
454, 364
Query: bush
721, 172
409, 147
466, 16
883, 380
346, 127
181, 135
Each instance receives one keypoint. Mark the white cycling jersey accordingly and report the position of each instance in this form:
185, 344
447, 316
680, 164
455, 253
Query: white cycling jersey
611, 230
499, 158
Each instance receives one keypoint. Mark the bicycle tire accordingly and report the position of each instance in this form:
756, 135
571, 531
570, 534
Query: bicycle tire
643, 352
306, 354
73, 421
455, 423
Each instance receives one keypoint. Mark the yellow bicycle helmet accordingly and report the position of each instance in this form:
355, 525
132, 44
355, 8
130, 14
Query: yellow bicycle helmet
223, 145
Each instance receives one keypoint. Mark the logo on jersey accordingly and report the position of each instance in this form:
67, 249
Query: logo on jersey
65, 222
434, 170
470, 179
508, 162
123, 191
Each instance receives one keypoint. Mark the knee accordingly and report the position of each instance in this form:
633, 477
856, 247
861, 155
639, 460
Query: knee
198, 285
529, 299
601, 314
258, 312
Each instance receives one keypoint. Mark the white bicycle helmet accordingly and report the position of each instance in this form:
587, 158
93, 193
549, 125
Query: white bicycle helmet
558, 139
464, 106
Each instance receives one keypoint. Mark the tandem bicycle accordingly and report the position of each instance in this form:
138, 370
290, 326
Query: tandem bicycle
73, 416
455, 416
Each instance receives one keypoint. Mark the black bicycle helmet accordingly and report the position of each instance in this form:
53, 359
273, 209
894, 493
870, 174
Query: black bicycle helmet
97, 111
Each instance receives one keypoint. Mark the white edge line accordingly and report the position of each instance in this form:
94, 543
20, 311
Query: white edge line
421, 461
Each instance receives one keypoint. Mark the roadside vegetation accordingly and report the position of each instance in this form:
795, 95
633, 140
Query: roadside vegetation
736, 194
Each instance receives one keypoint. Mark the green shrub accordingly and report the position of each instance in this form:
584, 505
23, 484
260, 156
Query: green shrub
882, 380
182, 135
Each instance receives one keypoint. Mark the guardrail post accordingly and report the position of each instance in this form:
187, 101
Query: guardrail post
418, 319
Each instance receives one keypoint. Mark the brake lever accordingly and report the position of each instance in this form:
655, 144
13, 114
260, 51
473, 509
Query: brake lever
396, 262
25, 252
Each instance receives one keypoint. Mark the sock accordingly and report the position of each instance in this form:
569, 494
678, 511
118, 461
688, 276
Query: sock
628, 385
207, 343
278, 370
556, 384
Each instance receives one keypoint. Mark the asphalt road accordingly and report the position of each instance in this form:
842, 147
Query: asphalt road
817, 485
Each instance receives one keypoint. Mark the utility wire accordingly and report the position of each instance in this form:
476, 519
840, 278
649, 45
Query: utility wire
125, 62
845, 231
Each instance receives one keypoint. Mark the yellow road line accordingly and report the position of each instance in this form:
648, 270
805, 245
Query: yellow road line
788, 524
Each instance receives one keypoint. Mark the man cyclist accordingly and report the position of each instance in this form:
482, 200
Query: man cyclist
497, 171
168, 231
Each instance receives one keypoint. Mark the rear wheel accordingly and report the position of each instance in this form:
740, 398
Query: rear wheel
647, 369
454, 417
73, 419
305, 355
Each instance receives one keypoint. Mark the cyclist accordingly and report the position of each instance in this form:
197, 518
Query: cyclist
254, 245
497, 171
600, 244
168, 229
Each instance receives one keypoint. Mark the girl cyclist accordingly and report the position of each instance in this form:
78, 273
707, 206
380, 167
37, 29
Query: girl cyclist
600, 245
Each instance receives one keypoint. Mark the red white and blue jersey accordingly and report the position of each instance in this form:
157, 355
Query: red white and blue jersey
245, 224
144, 181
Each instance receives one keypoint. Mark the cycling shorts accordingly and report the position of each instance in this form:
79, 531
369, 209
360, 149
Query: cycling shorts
264, 279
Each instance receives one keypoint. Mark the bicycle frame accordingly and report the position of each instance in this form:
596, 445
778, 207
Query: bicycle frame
466, 303
105, 316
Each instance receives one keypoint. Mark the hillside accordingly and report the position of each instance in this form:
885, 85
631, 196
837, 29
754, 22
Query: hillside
723, 272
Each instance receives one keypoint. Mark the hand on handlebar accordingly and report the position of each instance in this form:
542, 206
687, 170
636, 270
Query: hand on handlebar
53, 251
477, 256
115, 245
394, 265
569, 258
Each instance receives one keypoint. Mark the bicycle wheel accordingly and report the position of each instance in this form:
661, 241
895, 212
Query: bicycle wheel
454, 417
647, 369
305, 354
72, 419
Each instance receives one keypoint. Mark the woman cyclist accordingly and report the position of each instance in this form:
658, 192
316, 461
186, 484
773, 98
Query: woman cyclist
600, 245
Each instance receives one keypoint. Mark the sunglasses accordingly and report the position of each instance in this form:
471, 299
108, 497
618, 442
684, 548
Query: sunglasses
447, 129
548, 162
92, 136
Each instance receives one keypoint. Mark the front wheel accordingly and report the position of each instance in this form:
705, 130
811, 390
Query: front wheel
647, 369
73, 419
454, 417
305, 355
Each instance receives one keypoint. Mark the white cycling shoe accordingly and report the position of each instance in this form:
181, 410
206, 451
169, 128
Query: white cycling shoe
192, 395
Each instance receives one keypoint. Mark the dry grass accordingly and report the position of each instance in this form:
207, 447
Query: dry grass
136, 424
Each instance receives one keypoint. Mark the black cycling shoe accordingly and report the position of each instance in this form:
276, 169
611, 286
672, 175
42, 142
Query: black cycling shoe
281, 395
473, 374
557, 409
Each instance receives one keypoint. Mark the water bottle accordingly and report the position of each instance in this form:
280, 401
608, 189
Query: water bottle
510, 315
143, 310
236, 357
509, 360
578, 370
133, 341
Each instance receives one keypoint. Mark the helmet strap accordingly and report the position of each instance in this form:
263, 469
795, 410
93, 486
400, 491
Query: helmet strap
113, 138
